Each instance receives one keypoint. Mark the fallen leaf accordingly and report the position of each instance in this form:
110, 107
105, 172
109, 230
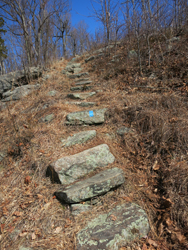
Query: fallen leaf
40, 196
33, 236
18, 214
11, 228
58, 230
27, 180
2, 227
5, 211
152, 242
113, 217
144, 247
128, 199
156, 166
23, 234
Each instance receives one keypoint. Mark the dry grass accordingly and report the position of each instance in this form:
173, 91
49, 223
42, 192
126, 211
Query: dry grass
153, 157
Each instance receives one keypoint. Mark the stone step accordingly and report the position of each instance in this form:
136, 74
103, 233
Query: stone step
81, 88
97, 185
89, 117
79, 138
82, 80
123, 224
78, 75
71, 168
82, 104
83, 83
81, 96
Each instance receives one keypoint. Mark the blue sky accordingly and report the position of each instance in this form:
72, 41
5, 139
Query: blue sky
81, 10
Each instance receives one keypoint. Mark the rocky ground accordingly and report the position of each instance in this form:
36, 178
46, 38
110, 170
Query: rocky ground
72, 175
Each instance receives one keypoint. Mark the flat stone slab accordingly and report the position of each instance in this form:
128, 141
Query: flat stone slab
90, 117
82, 80
80, 208
97, 185
81, 88
83, 83
79, 138
78, 75
70, 168
82, 104
81, 96
123, 224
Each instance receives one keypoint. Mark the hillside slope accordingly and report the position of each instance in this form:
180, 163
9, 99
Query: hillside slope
145, 127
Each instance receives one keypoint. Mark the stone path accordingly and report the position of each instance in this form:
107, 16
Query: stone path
124, 223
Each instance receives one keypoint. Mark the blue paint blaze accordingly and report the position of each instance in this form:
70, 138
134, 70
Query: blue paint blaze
91, 114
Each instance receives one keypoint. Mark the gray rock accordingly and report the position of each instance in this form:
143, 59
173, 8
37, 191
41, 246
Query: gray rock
82, 104
79, 138
2, 106
3, 154
48, 118
82, 80
19, 92
78, 75
124, 130
132, 54
89, 59
83, 83
46, 77
18, 78
110, 231
97, 185
25, 248
71, 168
81, 96
80, 208
52, 93
100, 55
90, 117
81, 88
73, 66
173, 39
77, 70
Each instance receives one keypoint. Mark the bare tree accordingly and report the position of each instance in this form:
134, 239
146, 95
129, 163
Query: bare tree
30, 20
105, 11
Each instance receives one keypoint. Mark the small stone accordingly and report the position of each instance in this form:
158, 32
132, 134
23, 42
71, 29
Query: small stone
25, 248
3, 154
89, 59
78, 75
123, 224
132, 54
70, 168
79, 138
52, 93
48, 118
80, 88
81, 96
80, 208
97, 185
123, 130
90, 117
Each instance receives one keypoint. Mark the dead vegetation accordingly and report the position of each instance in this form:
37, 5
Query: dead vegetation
153, 155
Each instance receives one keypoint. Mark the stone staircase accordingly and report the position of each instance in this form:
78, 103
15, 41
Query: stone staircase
124, 223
